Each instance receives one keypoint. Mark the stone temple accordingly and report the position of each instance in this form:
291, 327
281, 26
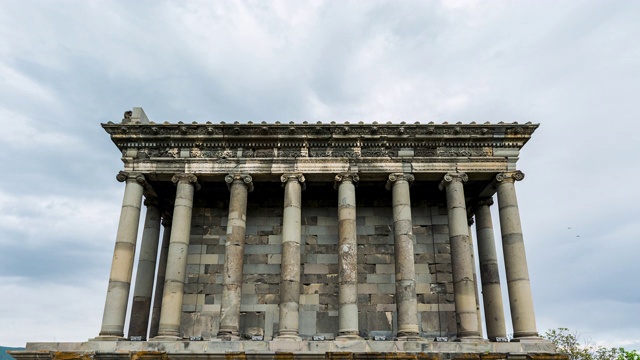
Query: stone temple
315, 241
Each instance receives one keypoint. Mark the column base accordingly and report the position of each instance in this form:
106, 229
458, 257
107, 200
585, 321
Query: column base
409, 337
108, 338
530, 339
287, 337
348, 337
166, 338
473, 339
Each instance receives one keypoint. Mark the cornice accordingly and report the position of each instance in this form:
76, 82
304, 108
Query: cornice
321, 135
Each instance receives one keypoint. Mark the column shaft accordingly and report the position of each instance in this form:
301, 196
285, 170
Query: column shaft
290, 268
489, 275
239, 186
347, 256
406, 300
461, 254
515, 259
115, 308
475, 280
171, 312
143, 289
162, 269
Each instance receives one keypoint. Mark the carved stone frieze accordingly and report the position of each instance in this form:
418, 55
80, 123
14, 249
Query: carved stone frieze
291, 153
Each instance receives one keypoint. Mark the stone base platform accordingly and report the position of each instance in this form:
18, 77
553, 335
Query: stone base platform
355, 349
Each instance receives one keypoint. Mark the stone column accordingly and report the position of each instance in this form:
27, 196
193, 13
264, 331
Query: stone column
171, 312
290, 268
141, 306
239, 185
461, 253
347, 257
475, 278
115, 308
515, 259
406, 301
162, 269
491, 292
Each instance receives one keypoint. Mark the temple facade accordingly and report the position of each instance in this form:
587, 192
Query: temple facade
315, 241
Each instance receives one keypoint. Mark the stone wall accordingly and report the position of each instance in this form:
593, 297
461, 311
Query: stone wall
319, 280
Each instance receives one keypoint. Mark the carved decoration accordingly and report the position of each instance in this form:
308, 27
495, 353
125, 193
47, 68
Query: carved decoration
342, 177
485, 151
510, 176
319, 129
185, 178
450, 178
299, 177
395, 177
378, 152
290, 153
244, 178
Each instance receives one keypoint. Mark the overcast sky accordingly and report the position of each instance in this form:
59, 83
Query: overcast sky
67, 66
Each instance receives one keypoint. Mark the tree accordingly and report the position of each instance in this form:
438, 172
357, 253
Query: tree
568, 343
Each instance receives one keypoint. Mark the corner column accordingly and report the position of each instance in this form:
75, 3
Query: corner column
171, 312
489, 275
461, 257
290, 268
115, 308
515, 259
406, 301
162, 269
239, 185
141, 307
347, 257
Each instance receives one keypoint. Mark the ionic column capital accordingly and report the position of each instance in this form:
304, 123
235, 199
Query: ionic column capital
393, 178
186, 178
511, 176
451, 178
127, 176
342, 177
246, 179
299, 177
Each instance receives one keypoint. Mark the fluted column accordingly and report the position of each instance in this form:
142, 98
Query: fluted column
461, 254
141, 306
491, 292
171, 312
290, 268
115, 308
406, 301
347, 257
239, 185
515, 259
162, 269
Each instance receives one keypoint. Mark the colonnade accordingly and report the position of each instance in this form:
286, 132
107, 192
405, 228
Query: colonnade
167, 299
